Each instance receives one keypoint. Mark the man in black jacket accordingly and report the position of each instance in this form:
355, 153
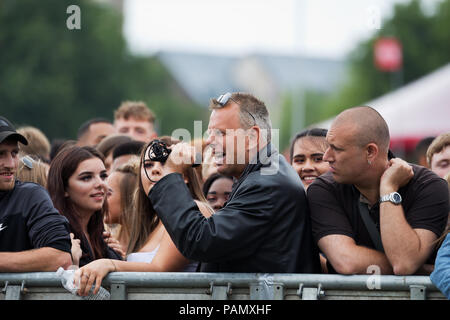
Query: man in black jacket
265, 225
33, 235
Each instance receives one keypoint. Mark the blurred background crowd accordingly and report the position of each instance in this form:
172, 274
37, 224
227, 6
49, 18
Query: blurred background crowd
308, 60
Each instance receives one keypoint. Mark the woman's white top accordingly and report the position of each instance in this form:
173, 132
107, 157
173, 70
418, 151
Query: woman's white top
147, 257
143, 256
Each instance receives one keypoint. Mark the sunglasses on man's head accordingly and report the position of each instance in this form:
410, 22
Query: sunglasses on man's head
223, 100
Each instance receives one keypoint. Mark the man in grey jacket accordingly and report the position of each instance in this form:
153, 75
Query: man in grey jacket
265, 225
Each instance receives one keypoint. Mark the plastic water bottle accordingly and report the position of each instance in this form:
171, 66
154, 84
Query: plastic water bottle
67, 282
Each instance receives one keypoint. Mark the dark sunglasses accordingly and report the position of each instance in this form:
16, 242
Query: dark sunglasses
223, 99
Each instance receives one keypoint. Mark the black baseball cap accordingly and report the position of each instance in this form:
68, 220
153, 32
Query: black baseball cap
7, 130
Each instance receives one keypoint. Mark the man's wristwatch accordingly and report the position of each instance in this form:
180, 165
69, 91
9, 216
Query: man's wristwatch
393, 197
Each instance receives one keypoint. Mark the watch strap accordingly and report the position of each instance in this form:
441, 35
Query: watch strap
386, 197
391, 197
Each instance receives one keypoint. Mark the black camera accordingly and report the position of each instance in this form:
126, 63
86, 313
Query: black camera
158, 151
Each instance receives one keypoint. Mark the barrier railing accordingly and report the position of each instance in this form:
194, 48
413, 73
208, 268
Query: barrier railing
221, 286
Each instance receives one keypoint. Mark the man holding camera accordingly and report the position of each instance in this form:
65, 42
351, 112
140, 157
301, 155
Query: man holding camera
265, 225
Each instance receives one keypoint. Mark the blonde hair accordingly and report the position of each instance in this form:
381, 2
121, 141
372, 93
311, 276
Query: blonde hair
127, 186
37, 173
134, 109
38, 144
438, 144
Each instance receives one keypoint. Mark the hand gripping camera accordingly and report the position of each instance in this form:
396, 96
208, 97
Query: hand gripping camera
158, 151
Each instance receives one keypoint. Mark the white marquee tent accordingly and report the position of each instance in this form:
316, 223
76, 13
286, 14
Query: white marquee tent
415, 111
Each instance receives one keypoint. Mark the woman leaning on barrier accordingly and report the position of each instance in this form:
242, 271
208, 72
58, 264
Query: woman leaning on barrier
150, 248
306, 156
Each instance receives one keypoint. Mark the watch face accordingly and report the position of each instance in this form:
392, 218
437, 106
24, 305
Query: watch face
396, 197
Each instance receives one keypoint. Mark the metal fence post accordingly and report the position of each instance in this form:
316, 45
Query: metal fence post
310, 293
263, 291
278, 291
417, 292
256, 292
13, 292
118, 291
219, 292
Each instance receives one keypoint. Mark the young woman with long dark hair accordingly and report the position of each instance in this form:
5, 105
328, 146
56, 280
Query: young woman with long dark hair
77, 187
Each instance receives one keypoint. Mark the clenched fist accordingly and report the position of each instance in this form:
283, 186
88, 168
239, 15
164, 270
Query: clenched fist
397, 174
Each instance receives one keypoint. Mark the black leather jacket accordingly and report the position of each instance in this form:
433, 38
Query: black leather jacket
264, 227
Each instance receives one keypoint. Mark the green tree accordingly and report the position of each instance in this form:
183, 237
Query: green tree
311, 111
55, 78
425, 41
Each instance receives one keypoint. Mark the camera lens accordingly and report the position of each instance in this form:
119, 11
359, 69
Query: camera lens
158, 151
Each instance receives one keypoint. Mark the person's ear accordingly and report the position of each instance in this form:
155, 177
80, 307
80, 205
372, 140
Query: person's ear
371, 152
254, 136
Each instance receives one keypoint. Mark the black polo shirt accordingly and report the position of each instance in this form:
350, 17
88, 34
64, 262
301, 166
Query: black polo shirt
334, 206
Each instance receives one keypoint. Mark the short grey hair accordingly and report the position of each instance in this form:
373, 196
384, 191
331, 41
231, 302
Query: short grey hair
252, 111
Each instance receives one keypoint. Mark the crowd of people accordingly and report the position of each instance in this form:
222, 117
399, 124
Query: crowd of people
342, 203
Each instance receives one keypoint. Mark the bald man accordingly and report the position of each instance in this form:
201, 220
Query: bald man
372, 213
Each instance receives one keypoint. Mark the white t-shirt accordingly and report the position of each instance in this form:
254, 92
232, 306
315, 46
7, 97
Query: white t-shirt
147, 257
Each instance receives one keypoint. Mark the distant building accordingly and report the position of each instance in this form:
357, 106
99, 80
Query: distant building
204, 76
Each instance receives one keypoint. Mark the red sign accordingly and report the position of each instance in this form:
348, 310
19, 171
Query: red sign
388, 54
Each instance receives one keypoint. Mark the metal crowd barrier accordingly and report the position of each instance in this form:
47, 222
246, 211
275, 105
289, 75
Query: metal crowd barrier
223, 286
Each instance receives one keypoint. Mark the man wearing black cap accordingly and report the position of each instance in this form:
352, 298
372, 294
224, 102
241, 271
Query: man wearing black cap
33, 235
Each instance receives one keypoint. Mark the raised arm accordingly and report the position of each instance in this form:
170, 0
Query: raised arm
408, 244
